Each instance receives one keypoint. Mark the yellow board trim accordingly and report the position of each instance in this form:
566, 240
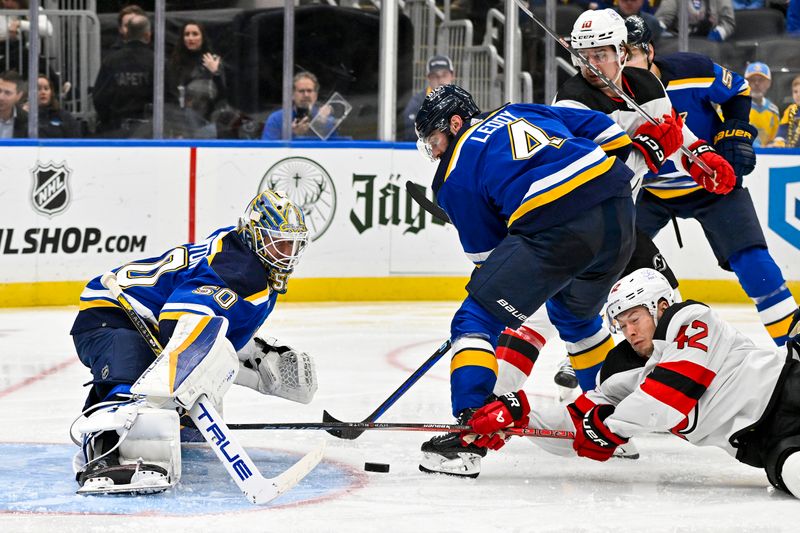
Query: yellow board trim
474, 358
562, 190
174, 354
779, 329
593, 357
395, 288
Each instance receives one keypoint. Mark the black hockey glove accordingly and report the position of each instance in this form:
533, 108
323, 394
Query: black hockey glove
734, 141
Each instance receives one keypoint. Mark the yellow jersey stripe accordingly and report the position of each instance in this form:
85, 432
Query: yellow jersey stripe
259, 295
592, 357
691, 81
563, 189
666, 194
173, 356
217, 249
457, 149
623, 140
175, 315
779, 328
473, 358
92, 304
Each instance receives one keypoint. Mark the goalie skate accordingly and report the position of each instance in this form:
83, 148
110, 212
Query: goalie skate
107, 476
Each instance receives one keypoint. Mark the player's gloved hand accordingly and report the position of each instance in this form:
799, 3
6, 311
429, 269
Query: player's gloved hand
277, 370
593, 439
734, 142
507, 410
659, 141
723, 180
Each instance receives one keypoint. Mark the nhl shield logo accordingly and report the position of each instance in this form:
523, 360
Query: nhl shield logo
50, 193
784, 203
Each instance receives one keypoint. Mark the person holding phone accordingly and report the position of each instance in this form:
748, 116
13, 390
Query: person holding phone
304, 110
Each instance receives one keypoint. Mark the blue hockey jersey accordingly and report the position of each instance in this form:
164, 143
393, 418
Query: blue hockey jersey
219, 276
697, 86
527, 167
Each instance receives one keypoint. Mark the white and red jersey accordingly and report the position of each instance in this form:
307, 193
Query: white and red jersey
704, 382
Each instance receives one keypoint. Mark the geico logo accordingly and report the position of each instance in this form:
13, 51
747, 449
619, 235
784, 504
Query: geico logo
222, 442
513, 310
67, 240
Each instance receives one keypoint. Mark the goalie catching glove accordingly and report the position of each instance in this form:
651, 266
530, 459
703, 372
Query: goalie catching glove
508, 410
277, 370
593, 439
723, 180
657, 142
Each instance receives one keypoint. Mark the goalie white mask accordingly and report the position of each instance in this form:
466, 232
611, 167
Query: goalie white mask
597, 28
275, 229
644, 287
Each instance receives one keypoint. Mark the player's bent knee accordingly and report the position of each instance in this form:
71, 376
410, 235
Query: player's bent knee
783, 465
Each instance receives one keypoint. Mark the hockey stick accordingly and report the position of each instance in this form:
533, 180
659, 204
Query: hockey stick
399, 426
244, 472
609, 83
349, 432
418, 194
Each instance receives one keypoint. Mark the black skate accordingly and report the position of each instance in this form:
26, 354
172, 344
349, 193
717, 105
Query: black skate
565, 376
444, 454
108, 476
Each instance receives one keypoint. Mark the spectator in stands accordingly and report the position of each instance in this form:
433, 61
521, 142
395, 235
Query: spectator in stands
764, 115
712, 19
748, 4
440, 72
189, 121
54, 122
123, 17
789, 129
793, 18
193, 60
12, 29
304, 110
123, 91
626, 8
13, 120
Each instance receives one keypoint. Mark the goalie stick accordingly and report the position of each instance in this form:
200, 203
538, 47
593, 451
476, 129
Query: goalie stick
244, 472
350, 433
399, 426
611, 85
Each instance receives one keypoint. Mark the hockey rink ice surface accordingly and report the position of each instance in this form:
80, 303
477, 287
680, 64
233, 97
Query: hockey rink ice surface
363, 352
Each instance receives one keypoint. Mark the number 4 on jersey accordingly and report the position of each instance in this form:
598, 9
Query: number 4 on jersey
694, 340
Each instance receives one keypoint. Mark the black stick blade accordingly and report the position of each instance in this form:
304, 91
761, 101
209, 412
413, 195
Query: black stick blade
347, 434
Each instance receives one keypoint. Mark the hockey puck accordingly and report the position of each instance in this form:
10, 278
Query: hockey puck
376, 467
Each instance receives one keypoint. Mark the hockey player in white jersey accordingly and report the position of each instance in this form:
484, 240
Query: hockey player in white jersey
684, 370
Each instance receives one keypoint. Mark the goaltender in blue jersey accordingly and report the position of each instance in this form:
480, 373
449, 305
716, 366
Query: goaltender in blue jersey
541, 199
205, 302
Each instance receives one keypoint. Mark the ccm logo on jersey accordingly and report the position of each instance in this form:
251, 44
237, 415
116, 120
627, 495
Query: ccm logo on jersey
241, 468
513, 310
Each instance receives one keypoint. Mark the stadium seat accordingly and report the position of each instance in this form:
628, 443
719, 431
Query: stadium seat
758, 23
779, 52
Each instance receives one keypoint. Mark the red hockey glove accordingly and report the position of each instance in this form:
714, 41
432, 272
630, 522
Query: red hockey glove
508, 410
593, 439
722, 181
659, 141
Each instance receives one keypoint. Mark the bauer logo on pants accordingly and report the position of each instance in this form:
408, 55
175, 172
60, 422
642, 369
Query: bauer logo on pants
784, 203
50, 193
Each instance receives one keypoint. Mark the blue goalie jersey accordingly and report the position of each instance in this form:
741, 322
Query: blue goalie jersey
697, 86
219, 276
527, 167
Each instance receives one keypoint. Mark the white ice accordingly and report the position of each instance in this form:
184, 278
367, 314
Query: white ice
363, 352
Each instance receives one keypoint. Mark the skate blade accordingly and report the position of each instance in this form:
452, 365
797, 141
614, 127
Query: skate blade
465, 465
150, 484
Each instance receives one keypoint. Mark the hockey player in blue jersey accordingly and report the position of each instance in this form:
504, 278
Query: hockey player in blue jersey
541, 199
695, 84
237, 274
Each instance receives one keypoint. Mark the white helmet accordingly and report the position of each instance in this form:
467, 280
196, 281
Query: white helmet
599, 27
644, 287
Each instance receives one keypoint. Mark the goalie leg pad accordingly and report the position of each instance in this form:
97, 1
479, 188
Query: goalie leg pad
129, 448
198, 360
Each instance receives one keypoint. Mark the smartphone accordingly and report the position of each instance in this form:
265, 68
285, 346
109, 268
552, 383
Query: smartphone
301, 113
